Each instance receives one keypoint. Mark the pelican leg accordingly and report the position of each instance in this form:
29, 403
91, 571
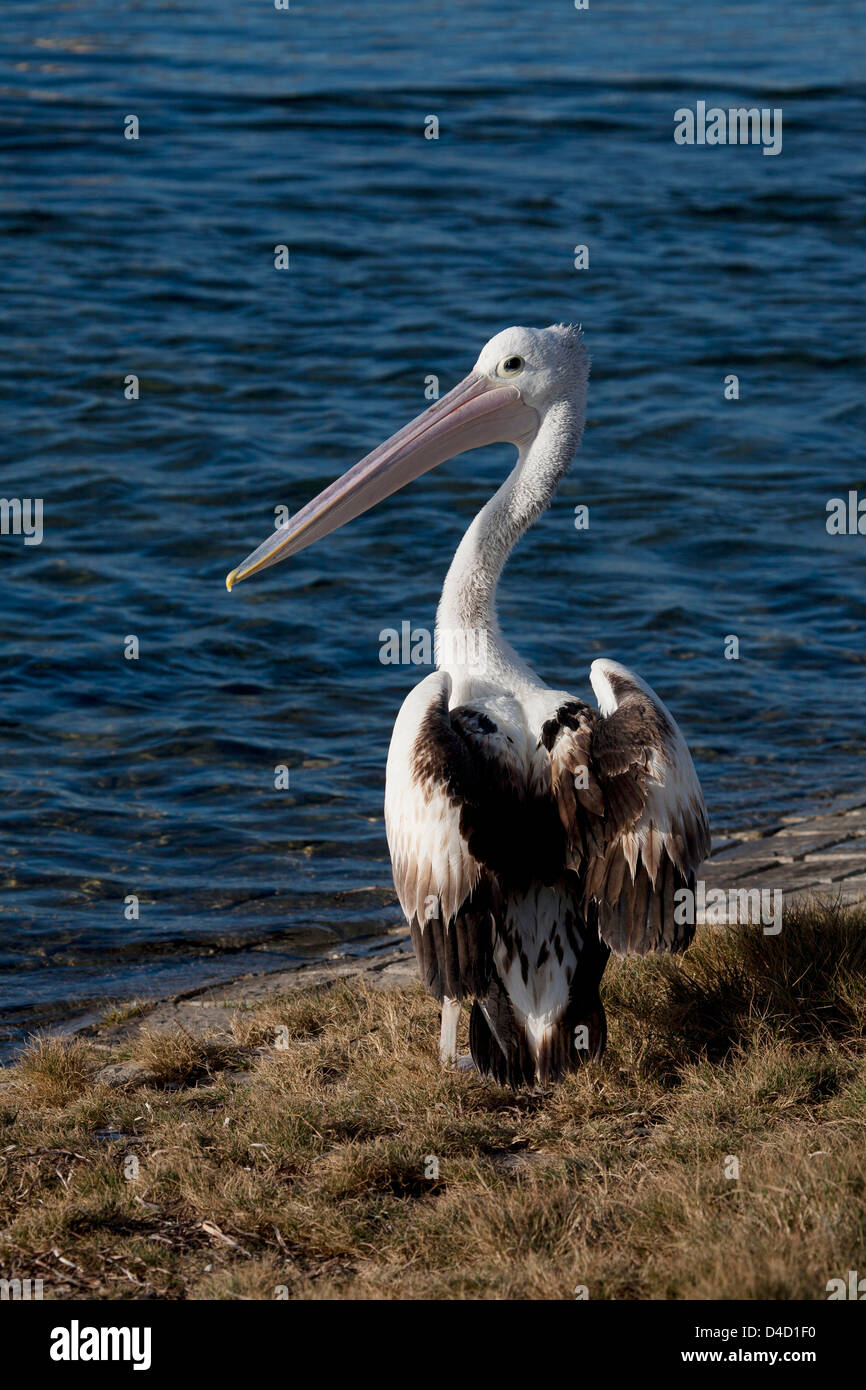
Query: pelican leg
448, 1035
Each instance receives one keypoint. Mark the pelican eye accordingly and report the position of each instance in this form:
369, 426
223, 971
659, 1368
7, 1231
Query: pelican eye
510, 366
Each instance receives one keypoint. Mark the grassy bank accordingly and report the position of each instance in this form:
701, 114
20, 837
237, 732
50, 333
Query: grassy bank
321, 1150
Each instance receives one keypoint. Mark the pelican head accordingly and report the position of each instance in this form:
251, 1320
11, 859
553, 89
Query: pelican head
519, 374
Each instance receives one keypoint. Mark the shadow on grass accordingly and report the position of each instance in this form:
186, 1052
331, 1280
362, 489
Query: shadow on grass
737, 986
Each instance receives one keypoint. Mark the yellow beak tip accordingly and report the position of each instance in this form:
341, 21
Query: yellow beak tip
230, 579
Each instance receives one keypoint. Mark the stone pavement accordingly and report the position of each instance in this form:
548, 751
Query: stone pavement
820, 856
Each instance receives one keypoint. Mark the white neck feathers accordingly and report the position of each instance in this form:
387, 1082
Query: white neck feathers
468, 640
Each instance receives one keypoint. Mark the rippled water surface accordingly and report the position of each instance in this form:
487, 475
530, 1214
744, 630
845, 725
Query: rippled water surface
155, 777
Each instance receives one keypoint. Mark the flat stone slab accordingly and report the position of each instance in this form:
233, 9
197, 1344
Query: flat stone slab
210, 1009
821, 856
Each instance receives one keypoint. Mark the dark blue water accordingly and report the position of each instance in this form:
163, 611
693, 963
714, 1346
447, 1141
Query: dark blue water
155, 777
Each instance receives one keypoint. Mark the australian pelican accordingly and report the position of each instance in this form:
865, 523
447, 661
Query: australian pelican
530, 833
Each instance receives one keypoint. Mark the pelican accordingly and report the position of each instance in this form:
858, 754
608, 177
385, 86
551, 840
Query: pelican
530, 833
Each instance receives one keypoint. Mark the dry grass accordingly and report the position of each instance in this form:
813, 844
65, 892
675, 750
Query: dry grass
343, 1162
125, 1009
179, 1059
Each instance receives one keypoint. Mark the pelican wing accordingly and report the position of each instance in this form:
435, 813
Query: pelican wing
429, 769
629, 799
463, 829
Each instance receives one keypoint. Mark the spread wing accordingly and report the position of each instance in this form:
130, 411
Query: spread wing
465, 826
434, 871
631, 805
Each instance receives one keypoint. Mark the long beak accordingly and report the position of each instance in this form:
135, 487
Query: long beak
478, 411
